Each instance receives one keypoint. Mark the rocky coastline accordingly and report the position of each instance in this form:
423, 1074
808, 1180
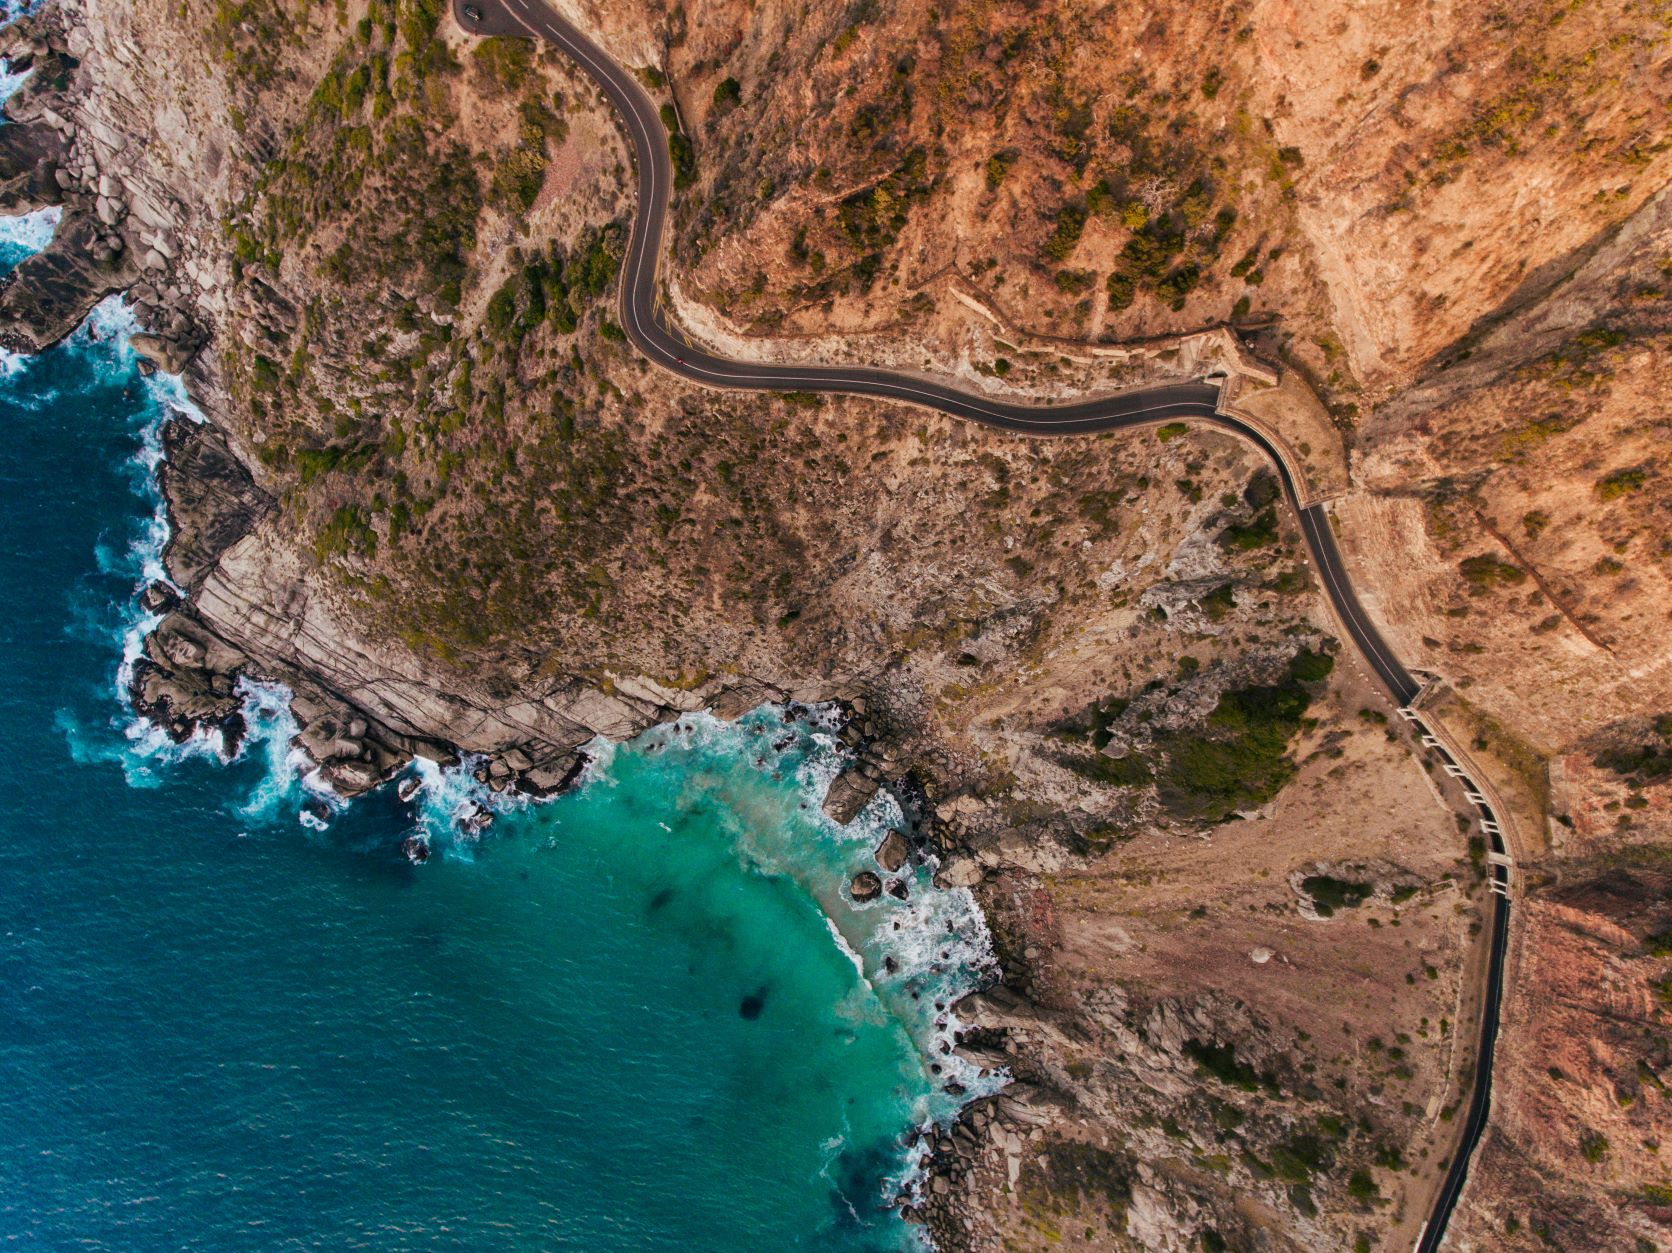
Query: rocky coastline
362, 718
74, 141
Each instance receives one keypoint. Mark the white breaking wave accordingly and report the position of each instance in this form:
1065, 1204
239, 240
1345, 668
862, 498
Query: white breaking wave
33, 231
913, 958
9, 81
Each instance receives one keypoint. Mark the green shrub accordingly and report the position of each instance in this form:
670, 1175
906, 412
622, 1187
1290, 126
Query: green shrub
1071, 224
1239, 759
504, 64
1361, 1186
728, 92
347, 531
1256, 534
1310, 667
1484, 572
1330, 894
1621, 483
1296, 1158
999, 166
684, 158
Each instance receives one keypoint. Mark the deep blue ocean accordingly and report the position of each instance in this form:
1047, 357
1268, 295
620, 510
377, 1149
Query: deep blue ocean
643, 1016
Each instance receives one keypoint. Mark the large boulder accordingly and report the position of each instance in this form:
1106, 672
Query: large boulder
171, 356
849, 792
892, 852
866, 886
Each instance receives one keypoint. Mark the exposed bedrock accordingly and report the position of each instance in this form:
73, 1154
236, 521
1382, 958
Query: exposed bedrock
31, 155
257, 608
121, 224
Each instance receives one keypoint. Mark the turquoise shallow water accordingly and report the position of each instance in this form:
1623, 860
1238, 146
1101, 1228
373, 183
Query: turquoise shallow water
644, 1016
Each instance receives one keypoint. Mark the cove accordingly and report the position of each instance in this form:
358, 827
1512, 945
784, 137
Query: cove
646, 1015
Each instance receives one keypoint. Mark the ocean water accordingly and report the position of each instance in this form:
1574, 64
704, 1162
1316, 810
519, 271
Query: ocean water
643, 1016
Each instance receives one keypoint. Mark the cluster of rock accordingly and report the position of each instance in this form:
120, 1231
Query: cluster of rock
892, 855
873, 762
119, 226
985, 1148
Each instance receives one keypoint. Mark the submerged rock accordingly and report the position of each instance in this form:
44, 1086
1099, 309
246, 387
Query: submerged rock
475, 819
416, 849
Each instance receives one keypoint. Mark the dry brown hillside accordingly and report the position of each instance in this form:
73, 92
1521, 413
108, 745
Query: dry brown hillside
1387, 179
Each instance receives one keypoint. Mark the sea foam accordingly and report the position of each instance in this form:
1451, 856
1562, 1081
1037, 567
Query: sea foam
914, 958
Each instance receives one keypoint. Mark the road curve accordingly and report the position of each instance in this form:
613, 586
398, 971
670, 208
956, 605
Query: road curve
646, 324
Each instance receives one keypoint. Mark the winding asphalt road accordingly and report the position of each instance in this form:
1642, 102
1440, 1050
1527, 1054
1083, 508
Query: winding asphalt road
645, 321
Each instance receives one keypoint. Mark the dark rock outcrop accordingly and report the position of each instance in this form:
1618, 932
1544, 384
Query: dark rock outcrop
866, 886
212, 500
31, 154
187, 680
49, 294
849, 793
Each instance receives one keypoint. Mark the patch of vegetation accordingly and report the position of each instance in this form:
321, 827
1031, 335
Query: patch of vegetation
1311, 667
1330, 894
1361, 1186
503, 64
1582, 362
683, 154
1296, 1159
1065, 237
1622, 482
1169, 251
1485, 572
1644, 763
1220, 1061
1219, 602
1248, 536
1129, 771
999, 166
1239, 760
1517, 443
347, 531
1171, 431
871, 219
1071, 1173
1092, 724
728, 93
